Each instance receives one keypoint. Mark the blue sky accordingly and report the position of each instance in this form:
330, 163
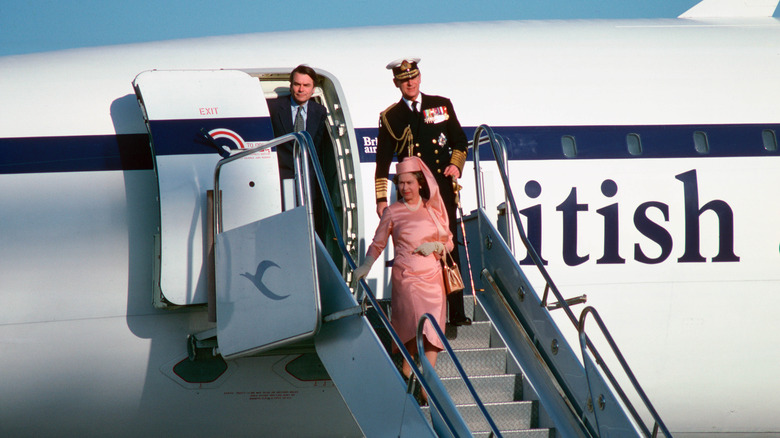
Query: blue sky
28, 26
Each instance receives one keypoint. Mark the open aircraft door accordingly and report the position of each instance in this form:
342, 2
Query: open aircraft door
265, 277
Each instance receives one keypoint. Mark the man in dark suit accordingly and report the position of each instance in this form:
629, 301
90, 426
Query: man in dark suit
299, 112
425, 126
298, 107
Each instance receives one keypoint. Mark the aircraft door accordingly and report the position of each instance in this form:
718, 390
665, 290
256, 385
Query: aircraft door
194, 118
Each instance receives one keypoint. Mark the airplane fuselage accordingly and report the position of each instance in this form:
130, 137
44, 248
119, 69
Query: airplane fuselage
642, 155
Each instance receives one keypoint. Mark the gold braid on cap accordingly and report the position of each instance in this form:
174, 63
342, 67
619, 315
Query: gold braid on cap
458, 159
405, 140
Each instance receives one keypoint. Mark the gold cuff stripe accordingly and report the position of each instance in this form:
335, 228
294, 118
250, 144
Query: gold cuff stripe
458, 159
380, 185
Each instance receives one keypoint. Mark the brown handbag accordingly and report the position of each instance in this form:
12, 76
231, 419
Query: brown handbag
453, 282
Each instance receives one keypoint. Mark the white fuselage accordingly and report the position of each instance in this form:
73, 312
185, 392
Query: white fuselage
84, 348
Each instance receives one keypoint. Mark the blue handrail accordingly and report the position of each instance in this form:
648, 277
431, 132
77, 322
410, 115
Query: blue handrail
368, 293
499, 149
583, 345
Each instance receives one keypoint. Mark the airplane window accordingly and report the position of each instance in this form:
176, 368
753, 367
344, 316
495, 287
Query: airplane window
770, 140
569, 146
634, 144
701, 142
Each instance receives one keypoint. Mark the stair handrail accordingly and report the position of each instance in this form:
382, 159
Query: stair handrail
304, 153
613, 345
499, 152
461, 371
299, 138
369, 295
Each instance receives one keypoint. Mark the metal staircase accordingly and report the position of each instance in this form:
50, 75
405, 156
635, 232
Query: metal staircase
496, 378
322, 309
513, 374
580, 395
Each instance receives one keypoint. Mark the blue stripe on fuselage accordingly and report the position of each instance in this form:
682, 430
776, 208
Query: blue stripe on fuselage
610, 142
184, 137
75, 154
124, 151
132, 151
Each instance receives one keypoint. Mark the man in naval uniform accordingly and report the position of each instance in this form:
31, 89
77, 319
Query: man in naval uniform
427, 127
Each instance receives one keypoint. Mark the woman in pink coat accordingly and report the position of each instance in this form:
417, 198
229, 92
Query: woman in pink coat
420, 229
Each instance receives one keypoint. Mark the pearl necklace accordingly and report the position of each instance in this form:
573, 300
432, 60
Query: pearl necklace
419, 203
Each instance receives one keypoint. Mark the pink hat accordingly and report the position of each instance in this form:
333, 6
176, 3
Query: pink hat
435, 202
410, 164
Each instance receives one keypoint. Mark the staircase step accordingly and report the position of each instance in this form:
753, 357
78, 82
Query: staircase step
476, 362
491, 389
468, 305
527, 433
495, 378
476, 335
516, 415
506, 415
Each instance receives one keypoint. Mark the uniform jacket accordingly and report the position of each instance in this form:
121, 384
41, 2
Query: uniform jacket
435, 136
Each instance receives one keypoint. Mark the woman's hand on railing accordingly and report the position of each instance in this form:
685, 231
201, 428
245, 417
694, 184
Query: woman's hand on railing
362, 270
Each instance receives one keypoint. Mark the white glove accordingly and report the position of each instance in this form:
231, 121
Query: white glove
362, 270
428, 247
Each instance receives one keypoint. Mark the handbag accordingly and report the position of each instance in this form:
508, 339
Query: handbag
453, 282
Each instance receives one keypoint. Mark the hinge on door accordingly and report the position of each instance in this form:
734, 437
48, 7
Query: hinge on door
202, 341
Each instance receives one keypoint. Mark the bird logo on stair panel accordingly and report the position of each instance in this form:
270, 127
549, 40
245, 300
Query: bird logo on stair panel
257, 280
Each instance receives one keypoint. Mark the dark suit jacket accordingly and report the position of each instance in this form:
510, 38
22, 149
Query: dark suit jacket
282, 123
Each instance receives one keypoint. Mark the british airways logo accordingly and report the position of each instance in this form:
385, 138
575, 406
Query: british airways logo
657, 244
229, 140
230, 135
369, 145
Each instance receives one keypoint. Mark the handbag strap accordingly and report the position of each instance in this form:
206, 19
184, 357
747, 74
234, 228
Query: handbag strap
439, 227
450, 257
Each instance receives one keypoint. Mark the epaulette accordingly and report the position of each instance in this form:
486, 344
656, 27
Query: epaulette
406, 138
388, 108
383, 119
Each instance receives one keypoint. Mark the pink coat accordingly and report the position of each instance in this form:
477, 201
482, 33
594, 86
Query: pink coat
417, 282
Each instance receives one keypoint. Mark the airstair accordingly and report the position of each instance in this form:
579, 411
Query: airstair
518, 352
477, 388
236, 238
